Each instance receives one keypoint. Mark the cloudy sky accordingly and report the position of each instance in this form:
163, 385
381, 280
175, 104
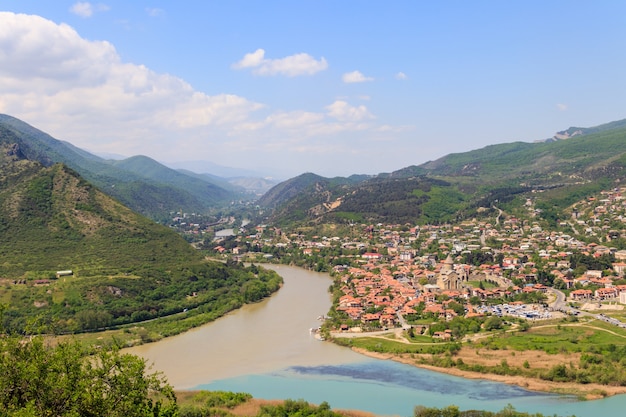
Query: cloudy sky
331, 87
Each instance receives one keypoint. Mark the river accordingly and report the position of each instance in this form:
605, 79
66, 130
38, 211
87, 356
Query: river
266, 349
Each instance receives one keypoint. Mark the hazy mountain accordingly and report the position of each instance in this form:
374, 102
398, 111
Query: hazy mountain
207, 167
258, 186
145, 186
248, 186
235, 179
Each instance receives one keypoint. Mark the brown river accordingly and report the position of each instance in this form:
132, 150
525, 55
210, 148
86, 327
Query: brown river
266, 349
259, 338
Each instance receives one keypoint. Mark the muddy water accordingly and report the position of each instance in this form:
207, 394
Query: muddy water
264, 337
266, 350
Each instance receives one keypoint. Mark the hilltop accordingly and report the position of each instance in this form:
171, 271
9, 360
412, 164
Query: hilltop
74, 259
461, 185
52, 219
139, 182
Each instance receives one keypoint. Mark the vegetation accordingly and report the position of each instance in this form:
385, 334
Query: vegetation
65, 380
297, 408
463, 185
210, 403
201, 291
122, 267
139, 182
205, 404
593, 356
453, 411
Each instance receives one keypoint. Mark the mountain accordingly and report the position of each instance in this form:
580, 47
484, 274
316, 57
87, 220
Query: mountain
576, 131
256, 185
74, 259
460, 185
234, 179
308, 185
52, 219
204, 191
207, 167
581, 158
145, 186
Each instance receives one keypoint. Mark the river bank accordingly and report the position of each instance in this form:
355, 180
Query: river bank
267, 350
583, 391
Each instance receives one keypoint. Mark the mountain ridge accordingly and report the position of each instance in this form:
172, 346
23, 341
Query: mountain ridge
157, 195
461, 181
53, 210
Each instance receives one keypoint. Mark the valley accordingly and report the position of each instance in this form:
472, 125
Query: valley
434, 266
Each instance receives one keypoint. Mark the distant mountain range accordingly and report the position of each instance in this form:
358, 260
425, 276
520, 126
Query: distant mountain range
577, 162
139, 182
205, 167
462, 184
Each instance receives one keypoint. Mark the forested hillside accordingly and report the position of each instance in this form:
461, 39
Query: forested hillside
463, 185
74, 259
140, 183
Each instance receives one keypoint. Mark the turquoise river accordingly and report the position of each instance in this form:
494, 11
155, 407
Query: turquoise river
267, 350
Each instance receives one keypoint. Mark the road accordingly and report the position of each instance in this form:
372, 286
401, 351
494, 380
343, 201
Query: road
560, 305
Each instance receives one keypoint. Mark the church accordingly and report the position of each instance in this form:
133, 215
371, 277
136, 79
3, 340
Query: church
450, 279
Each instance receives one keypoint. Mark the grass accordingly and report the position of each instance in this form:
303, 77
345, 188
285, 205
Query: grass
383, 345
486, 284
555, 338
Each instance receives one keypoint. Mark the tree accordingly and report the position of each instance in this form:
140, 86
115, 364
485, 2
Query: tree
493, 323
62, 380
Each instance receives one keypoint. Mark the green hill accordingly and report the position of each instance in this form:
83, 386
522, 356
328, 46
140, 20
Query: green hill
139, 182
205, 192
124, 267
458, 185
305, 196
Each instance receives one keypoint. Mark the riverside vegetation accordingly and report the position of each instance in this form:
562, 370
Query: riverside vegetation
119, 268
67, 379
576, 354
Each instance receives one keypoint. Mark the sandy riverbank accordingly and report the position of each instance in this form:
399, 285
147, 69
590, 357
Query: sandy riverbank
587, 391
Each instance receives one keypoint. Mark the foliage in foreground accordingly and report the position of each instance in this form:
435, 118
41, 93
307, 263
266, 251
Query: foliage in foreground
220, 403
40, 380
453, 411
211, 403
297, 408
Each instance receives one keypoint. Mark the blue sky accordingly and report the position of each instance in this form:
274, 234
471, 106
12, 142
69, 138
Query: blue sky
331, 87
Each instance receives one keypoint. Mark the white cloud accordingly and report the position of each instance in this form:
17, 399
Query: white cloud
291, 66
294, 120
344, 112
81, 91
561, 107
401, 76
64, 83
154, 11
86, 9
355, 77
251, 60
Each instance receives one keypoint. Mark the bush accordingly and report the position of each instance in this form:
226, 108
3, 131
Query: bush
63, 381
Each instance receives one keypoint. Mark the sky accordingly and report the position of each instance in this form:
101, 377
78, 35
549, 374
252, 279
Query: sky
330, 87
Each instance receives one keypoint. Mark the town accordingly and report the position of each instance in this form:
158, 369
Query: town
402, 275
